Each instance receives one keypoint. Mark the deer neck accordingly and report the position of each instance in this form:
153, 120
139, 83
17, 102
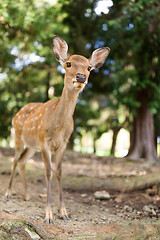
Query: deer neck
66, 106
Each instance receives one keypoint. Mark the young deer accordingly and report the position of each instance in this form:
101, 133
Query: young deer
48, 126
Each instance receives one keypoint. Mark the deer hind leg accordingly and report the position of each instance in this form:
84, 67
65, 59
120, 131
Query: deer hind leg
19, 148
21, 154
27, 154
58, 162
46, 155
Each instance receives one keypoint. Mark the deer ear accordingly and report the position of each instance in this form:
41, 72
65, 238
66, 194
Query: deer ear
98, 57
60, 49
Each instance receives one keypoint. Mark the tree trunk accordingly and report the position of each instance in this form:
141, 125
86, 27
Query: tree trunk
142, 136
114, 139
94, 145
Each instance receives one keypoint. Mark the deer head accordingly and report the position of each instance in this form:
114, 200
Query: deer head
77, 67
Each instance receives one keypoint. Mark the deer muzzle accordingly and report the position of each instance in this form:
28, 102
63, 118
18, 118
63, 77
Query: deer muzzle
80, 77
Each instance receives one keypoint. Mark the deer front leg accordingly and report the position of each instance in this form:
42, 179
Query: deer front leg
58, 161
47, 162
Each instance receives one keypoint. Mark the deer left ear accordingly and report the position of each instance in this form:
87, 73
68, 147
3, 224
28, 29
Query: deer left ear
60, 49
98, 57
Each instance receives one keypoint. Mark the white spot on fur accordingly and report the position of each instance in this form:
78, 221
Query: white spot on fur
20, 123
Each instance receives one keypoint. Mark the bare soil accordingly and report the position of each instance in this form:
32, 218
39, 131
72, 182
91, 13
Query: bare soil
132, 212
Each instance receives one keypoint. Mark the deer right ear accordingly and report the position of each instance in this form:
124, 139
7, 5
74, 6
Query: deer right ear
98, 57
60, 49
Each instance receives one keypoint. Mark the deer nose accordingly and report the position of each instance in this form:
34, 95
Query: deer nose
80, 77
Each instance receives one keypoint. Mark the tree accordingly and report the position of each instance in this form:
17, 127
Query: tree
116, 126
133, 29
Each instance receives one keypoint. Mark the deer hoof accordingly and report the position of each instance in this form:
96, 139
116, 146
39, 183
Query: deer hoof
48, 220
8, 194
65, 218
63, 214
48, 217
27, 197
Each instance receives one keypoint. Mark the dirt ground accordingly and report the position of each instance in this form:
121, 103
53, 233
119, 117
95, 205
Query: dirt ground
131, 212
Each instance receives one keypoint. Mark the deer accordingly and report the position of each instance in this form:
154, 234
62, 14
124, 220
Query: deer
48, 126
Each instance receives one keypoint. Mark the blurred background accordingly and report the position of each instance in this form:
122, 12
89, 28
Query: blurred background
118, 113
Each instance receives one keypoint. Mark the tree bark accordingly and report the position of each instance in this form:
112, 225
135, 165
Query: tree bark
94, 145
116, 131
142, 143
114, 139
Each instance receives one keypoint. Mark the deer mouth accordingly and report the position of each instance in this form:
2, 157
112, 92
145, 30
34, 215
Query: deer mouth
78, 83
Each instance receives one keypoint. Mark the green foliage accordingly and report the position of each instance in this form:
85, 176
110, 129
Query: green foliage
131, 29
26, 60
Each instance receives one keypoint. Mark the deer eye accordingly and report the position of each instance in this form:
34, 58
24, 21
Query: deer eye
89, 68
68, 64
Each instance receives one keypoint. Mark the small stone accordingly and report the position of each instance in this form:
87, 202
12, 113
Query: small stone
118, 200
139, 213
109, 220
102, 195
33, 218
80, 211
127, 208
145, 214
146, 208
42, 195
104, 218
153, 212
84, 195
